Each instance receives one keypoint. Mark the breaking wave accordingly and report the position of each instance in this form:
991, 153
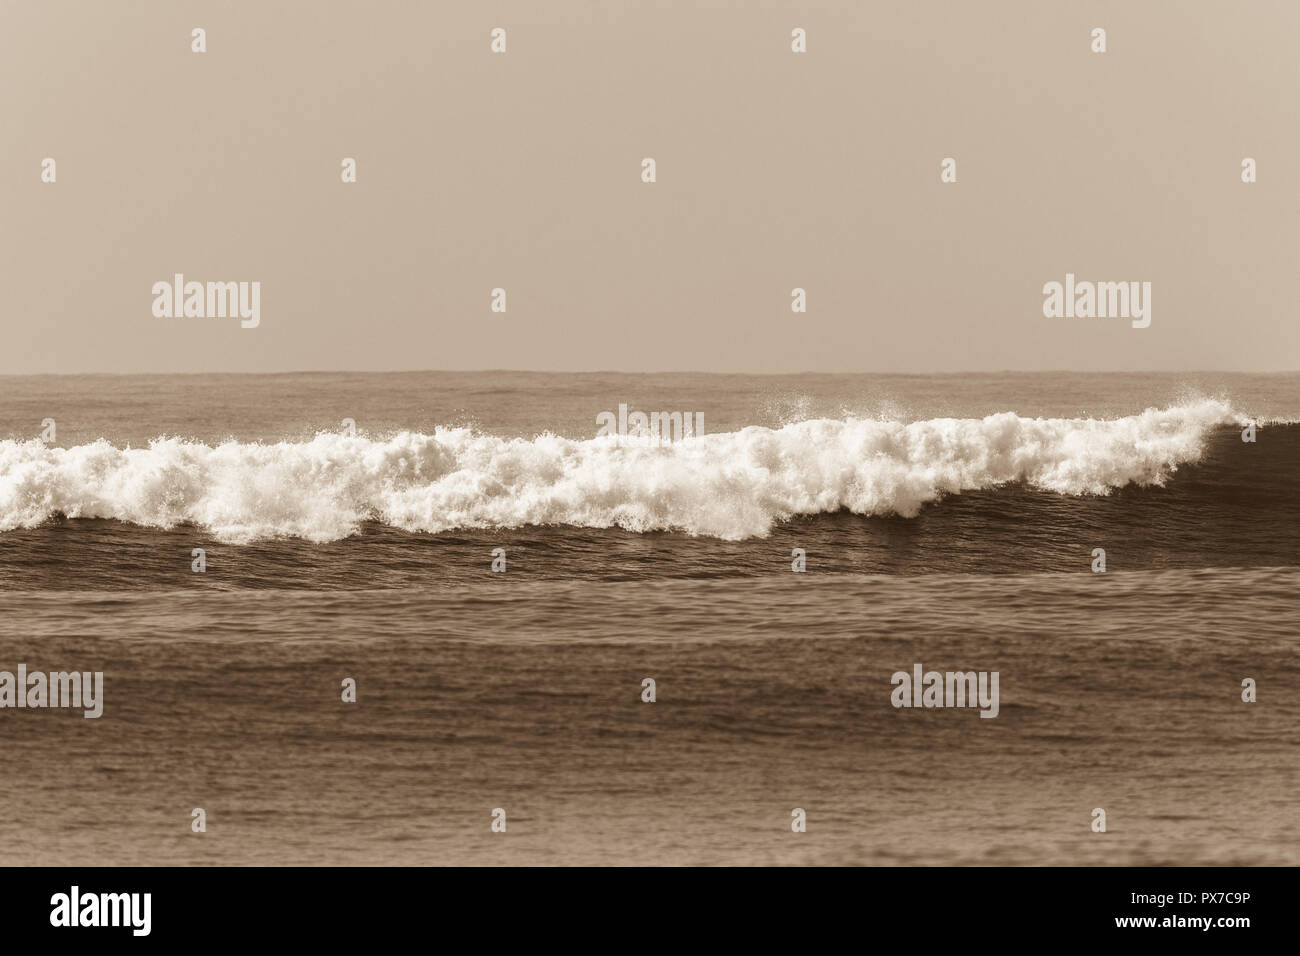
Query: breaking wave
731, 485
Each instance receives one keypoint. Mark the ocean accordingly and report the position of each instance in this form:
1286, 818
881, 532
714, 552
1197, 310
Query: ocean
951, 521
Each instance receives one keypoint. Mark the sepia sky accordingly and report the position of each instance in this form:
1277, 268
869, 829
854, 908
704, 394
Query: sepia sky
523, 171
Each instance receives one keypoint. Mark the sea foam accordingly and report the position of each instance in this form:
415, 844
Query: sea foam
730, 485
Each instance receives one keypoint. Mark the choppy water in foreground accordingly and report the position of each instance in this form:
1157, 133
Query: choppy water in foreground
1119, 692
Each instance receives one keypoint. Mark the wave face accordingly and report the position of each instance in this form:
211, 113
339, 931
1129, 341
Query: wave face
731, 485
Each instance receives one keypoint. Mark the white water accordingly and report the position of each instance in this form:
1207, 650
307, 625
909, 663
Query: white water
730, 485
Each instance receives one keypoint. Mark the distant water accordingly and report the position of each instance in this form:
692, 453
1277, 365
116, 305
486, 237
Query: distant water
946, 520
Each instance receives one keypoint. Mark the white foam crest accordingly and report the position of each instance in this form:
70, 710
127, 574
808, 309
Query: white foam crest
729, 485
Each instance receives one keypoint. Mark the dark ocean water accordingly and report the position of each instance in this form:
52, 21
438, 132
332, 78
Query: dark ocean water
947, 520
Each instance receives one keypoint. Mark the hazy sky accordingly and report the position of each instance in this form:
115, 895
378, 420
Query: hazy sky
775, 170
